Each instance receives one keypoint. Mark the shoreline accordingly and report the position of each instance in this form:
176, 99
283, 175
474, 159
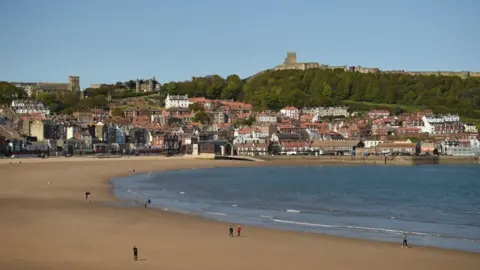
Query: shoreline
270, 220
34, 214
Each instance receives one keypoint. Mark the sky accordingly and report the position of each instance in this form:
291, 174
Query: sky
105, 41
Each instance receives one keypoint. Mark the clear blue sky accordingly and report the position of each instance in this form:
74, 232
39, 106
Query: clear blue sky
104, 41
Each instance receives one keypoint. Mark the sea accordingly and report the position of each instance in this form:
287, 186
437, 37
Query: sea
436, 206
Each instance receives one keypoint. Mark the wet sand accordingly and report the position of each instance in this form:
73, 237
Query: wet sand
45, 223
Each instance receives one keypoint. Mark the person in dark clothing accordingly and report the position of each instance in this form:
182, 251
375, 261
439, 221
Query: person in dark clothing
231, 231
405, 244
135, 253
149, 201
87, 195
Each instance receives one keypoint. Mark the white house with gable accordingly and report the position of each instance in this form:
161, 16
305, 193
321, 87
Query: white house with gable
290, 112
176, 101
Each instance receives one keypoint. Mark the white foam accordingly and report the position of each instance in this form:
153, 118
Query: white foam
293, 211
352, 227
302, 223
181, 192
217, 214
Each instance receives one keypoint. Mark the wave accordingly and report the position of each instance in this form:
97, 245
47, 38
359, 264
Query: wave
133, 192
369, 229
217, 214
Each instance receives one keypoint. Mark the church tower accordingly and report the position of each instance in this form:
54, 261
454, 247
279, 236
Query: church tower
74, 83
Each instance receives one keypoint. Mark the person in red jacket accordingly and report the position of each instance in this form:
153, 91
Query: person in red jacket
239, 230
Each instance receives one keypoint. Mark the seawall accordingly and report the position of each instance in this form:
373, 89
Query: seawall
380, 160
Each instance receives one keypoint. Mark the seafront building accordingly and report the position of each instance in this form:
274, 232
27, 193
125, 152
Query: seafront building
442, 124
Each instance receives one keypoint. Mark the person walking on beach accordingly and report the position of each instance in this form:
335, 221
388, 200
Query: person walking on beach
239, 230
87, 195
404, 244
231, 231
135, 253
149, 201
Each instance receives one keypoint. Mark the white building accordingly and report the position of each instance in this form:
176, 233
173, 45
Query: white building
442, 124
475, 143
327, 111
71, 132
265, 118
290, 112
371, 144
464, 151
249, 135
471, 128
29, 107
176, 101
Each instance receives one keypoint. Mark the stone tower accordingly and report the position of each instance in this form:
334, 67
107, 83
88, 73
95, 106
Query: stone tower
151, 85
137, 89
291, 58
74, 83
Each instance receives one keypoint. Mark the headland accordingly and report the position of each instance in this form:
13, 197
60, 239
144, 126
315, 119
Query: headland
45, 223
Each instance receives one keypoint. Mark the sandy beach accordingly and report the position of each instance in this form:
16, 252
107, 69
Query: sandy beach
46, 223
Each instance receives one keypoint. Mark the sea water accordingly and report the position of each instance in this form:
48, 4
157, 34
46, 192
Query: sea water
436, 205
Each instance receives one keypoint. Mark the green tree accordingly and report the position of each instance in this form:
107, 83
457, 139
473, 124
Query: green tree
131, 84
196, 107
9, 92
117, 112
327, 91
202, 117
373, 93
119, 85
174, 120
233, 87
274, 149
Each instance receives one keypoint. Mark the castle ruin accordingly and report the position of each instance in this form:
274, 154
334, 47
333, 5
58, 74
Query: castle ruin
148, 86
291, 63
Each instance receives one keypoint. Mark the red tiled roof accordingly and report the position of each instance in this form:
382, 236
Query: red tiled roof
295, 144
290, 108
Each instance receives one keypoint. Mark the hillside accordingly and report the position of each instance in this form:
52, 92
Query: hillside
274, 89
314, 87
